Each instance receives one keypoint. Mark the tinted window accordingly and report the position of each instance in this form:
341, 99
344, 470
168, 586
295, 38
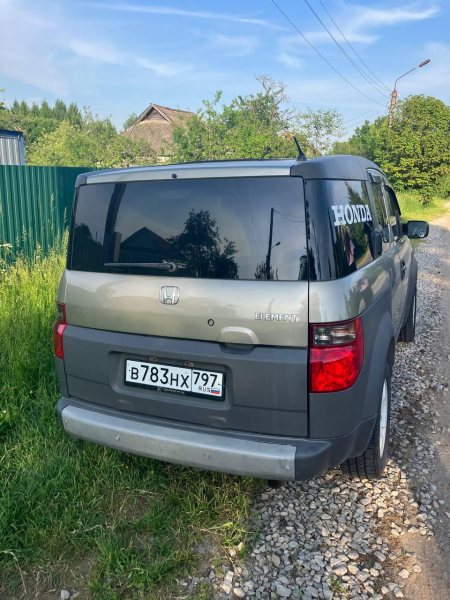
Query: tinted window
394, 218
210, 228
380, 209
340, 227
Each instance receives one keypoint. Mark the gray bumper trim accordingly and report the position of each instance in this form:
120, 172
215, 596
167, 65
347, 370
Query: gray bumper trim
201, 450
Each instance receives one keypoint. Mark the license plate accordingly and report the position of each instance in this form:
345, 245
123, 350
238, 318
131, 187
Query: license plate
178, 380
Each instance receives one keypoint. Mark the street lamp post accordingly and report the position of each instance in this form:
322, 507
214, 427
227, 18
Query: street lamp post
394, 93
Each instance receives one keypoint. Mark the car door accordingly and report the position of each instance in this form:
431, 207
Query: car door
390, 251
402, 244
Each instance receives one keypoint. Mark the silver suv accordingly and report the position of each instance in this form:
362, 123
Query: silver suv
237, 316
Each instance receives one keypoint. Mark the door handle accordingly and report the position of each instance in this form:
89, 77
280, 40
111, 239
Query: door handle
402, 268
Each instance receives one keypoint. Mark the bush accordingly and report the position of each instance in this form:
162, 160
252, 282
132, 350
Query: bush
442, 187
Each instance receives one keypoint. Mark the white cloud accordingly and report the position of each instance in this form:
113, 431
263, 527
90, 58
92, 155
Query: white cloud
231, 45
178, 12
358, 23
100, 51
369, 17
23, 54
290, 60
53, 54
164, 69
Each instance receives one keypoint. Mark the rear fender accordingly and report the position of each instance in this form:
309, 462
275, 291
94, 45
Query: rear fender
338, 413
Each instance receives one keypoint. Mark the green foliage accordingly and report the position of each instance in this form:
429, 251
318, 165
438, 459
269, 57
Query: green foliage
38, 121
255, 126
362, 143
64, 136
415, 153
200, 245
95, 143
414, 210
441, 188
63, 500
129, 122
318, 129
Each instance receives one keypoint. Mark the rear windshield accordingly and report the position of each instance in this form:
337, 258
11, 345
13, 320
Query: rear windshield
340, 227
230, 228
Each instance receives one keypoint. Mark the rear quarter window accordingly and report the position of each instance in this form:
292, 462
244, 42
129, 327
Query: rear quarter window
340, 227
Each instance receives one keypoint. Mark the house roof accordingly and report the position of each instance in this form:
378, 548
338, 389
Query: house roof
155, 124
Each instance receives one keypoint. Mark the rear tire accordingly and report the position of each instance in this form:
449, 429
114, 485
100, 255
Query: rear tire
408, 331
371, 464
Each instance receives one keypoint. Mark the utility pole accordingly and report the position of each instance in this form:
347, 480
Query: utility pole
394, 94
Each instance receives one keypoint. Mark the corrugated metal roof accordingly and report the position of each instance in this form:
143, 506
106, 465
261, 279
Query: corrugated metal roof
11, 150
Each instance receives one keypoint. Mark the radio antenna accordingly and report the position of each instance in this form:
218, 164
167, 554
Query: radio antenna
301, 155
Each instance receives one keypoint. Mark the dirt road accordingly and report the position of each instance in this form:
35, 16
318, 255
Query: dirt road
434, 582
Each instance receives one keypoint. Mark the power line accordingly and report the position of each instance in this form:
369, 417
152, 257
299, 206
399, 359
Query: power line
361, 115
342, 50
364, 120
337, 27
323, 57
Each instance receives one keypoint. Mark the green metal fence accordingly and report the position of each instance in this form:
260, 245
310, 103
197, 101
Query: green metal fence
35, 205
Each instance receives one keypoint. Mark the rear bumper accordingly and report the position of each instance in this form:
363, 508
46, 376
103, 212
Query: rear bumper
266, 457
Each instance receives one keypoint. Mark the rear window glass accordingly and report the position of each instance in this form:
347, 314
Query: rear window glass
230, 228
340, 227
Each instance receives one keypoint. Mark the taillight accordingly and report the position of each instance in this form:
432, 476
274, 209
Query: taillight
58, 329
336, 355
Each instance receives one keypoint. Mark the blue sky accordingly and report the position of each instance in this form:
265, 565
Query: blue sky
117, 57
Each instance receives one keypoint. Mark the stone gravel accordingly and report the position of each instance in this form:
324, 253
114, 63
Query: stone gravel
333, 537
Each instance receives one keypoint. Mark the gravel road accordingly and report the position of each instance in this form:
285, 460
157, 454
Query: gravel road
332, 537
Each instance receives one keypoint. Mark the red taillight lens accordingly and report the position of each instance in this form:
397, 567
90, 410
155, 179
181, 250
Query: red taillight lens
336, 356
58, 329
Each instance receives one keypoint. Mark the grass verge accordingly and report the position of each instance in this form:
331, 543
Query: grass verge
62, 500
412, 210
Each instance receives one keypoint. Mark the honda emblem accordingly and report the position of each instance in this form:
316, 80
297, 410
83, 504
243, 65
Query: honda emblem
169, 295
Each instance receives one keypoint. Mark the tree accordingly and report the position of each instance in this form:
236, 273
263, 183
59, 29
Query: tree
24, 109
415, 153
253, 126
319, 128
8, 121
35, 110
200, 247
129, 122
59, 110
74, 115
95, 144
45, 111
362, 142
15, 107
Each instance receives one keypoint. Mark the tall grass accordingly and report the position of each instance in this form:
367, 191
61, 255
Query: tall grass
62, 499
413, 210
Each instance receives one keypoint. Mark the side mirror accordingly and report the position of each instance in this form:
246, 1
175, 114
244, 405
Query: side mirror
416, 229
377, 243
